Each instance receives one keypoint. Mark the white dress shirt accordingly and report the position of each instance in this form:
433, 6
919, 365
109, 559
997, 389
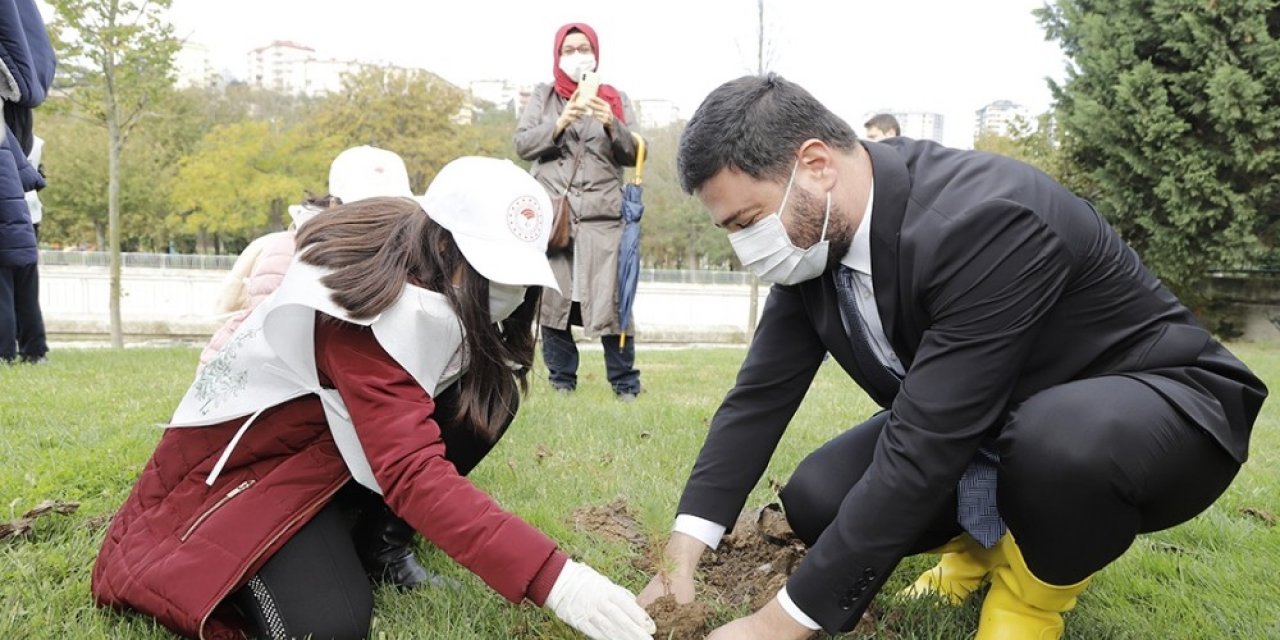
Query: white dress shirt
858, 258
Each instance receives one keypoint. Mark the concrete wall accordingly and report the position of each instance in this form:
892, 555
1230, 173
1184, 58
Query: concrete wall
170, 303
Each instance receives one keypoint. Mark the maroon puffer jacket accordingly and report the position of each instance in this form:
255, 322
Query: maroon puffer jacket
177, 547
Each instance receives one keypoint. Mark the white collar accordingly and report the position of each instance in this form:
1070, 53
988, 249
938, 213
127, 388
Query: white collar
859, 256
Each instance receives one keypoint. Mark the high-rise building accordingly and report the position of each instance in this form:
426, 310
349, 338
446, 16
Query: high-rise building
919, 125
193, 66
280, 66
996, 118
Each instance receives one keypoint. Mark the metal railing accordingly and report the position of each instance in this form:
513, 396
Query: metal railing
137, 260
224, 263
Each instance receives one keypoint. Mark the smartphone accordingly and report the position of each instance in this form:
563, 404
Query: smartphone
588, 86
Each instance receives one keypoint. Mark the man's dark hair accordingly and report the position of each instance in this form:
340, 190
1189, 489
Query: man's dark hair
755, 124
884, 122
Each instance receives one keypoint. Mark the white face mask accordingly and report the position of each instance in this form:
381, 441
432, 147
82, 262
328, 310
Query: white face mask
576, 64
767, 250
504, 299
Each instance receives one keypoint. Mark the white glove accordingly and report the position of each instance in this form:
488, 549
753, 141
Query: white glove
592, 604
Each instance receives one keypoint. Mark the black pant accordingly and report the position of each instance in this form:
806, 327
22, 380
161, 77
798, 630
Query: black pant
1084, 468
21, 322
561, 355
315, 585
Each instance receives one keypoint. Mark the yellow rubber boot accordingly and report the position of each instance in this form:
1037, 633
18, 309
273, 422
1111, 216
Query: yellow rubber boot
1020, 606
960, 571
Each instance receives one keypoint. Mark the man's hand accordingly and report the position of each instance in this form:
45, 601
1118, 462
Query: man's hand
680, 586
769, 623
675, 574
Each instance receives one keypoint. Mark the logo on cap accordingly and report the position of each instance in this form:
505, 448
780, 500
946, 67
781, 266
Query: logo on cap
524, 218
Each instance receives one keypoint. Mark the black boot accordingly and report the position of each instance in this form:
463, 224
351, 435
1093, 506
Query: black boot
385, 545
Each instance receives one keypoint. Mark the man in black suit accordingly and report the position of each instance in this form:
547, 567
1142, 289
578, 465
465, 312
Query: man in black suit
1039, 384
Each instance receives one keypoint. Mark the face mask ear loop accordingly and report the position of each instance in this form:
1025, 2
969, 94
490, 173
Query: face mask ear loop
782, 206
827, 220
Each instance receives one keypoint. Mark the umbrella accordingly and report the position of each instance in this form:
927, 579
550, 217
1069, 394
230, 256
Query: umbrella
629, 248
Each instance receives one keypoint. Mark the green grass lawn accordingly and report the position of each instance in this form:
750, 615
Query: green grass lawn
81, 428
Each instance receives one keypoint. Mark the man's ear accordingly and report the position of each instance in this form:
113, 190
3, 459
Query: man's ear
818, 163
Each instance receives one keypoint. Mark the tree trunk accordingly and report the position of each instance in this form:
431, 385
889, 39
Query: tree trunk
275, 215
113, 222
101, 235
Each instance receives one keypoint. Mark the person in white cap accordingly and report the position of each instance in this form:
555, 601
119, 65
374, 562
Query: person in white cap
390, 359
383, 540
355, 174
368, 172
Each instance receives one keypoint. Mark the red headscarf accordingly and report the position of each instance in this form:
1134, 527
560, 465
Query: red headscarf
565, 86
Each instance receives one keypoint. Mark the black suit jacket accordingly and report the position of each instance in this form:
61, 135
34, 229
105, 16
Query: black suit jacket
993, 283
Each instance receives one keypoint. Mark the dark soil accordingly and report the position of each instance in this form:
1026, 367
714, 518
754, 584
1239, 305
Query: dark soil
752, 563
746, 571
679, 621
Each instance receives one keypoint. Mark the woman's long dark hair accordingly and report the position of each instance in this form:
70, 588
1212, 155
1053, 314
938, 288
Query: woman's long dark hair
375, 246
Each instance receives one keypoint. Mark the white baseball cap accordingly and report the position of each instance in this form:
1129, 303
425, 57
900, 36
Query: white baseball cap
499, 216
367, 172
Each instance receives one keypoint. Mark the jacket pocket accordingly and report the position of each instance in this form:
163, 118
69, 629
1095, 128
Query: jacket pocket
235, 491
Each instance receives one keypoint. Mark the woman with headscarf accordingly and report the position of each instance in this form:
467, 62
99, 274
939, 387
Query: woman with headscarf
390, 359
579, 147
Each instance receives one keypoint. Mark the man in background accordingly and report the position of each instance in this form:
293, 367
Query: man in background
881, 126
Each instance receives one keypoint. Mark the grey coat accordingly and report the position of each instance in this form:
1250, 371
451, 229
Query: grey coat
596, 199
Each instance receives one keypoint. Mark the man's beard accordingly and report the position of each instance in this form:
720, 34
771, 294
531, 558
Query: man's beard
808, 213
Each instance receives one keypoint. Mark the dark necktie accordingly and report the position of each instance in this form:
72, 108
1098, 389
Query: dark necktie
880, 382
976, 493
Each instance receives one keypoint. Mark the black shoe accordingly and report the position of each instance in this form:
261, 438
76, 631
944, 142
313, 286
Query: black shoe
628, 396
385, 545
25, 359
562, 391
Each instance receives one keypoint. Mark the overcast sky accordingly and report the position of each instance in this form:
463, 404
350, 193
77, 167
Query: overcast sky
949, 56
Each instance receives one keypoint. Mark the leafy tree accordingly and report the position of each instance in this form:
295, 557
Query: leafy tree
238, 180
116, 57
77, 197
1033, 143
1171, 114
76, 200
408, 111
678, 234
490, 133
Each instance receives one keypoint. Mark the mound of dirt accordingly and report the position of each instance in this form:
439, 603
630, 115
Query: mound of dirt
746, 571
679, 621
613, 522
752, 563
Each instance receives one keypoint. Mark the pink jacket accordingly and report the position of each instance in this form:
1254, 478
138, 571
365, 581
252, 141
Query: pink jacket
265, 260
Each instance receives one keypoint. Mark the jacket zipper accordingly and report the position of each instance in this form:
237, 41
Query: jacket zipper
237, 490
309, 510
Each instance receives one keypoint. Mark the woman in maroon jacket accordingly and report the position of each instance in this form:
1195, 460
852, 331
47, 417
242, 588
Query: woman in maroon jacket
411, 326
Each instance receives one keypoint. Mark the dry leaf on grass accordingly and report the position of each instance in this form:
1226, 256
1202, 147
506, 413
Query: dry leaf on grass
52, 506
1263, 516
25, 525
542, 451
